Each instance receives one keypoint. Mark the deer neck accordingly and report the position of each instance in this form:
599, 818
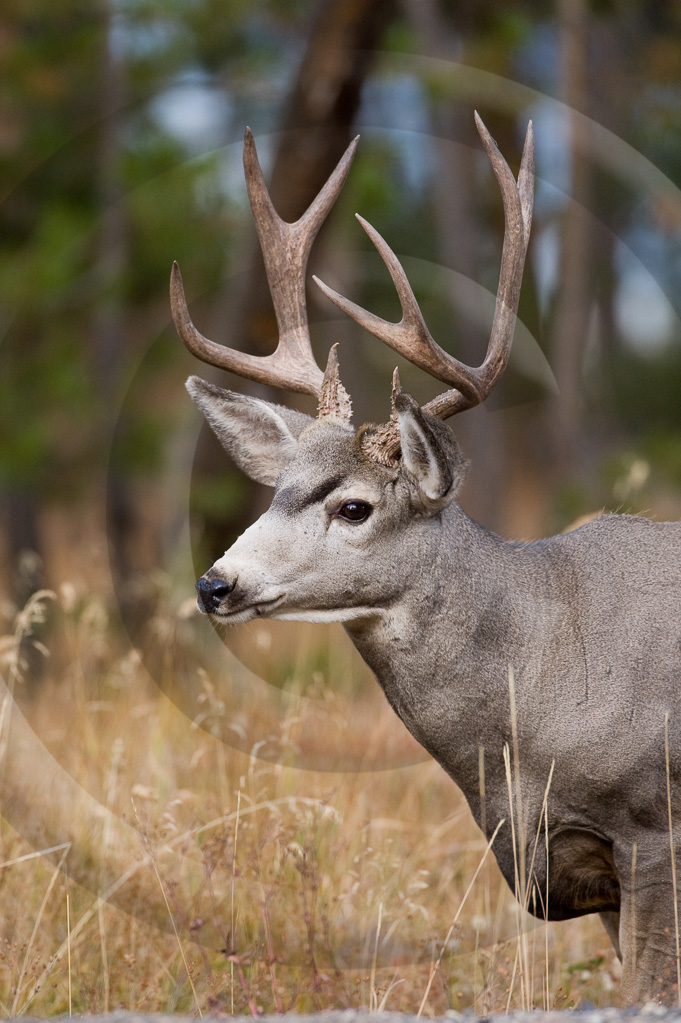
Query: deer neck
442, 650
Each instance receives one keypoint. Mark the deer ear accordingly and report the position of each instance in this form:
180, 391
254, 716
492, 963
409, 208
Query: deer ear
260, 437
429, 453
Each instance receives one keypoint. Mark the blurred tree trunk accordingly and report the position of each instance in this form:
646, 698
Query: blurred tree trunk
461, 244
23, 573
109, 326
618, 43
574, 301
317, 121
315, 131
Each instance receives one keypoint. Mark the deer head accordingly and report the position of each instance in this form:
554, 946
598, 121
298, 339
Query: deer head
351, 509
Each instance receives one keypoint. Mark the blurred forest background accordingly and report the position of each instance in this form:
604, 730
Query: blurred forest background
120, 150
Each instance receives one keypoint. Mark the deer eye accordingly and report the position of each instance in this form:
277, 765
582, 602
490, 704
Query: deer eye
354, 511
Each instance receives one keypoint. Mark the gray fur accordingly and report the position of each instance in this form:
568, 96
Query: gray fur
440, 609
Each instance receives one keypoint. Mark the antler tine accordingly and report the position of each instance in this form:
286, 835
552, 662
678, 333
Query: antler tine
518, 202
411, 338
526, 180
285, 249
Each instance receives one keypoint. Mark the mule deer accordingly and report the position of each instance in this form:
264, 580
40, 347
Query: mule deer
364, 528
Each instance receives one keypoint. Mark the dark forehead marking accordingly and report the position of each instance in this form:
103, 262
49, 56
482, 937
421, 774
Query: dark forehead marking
291, 499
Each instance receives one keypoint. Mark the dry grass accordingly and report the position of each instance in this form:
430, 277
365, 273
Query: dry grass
237, 846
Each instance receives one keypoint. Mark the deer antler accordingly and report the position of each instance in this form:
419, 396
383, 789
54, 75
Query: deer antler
285, 248
411, 338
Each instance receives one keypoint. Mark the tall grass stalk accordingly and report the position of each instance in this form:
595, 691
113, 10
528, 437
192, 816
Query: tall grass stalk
232, 920
270, 954
520, 959
68, 947
373, 999
520, 855
634, 922
532, 889
36, 926
105, 958
36, 855
177, 936
435, 967
394, 983
516, 957
673, 857
546, 995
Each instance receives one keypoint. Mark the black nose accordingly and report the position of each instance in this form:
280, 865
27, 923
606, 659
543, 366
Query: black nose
212, 591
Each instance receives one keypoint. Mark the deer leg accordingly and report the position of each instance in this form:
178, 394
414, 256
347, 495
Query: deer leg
648, 938
611, 922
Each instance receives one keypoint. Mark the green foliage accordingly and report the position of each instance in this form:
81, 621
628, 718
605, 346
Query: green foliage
219, 496
373, 184
176, 212
589, 964
663, 449
647, 391
99, 198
